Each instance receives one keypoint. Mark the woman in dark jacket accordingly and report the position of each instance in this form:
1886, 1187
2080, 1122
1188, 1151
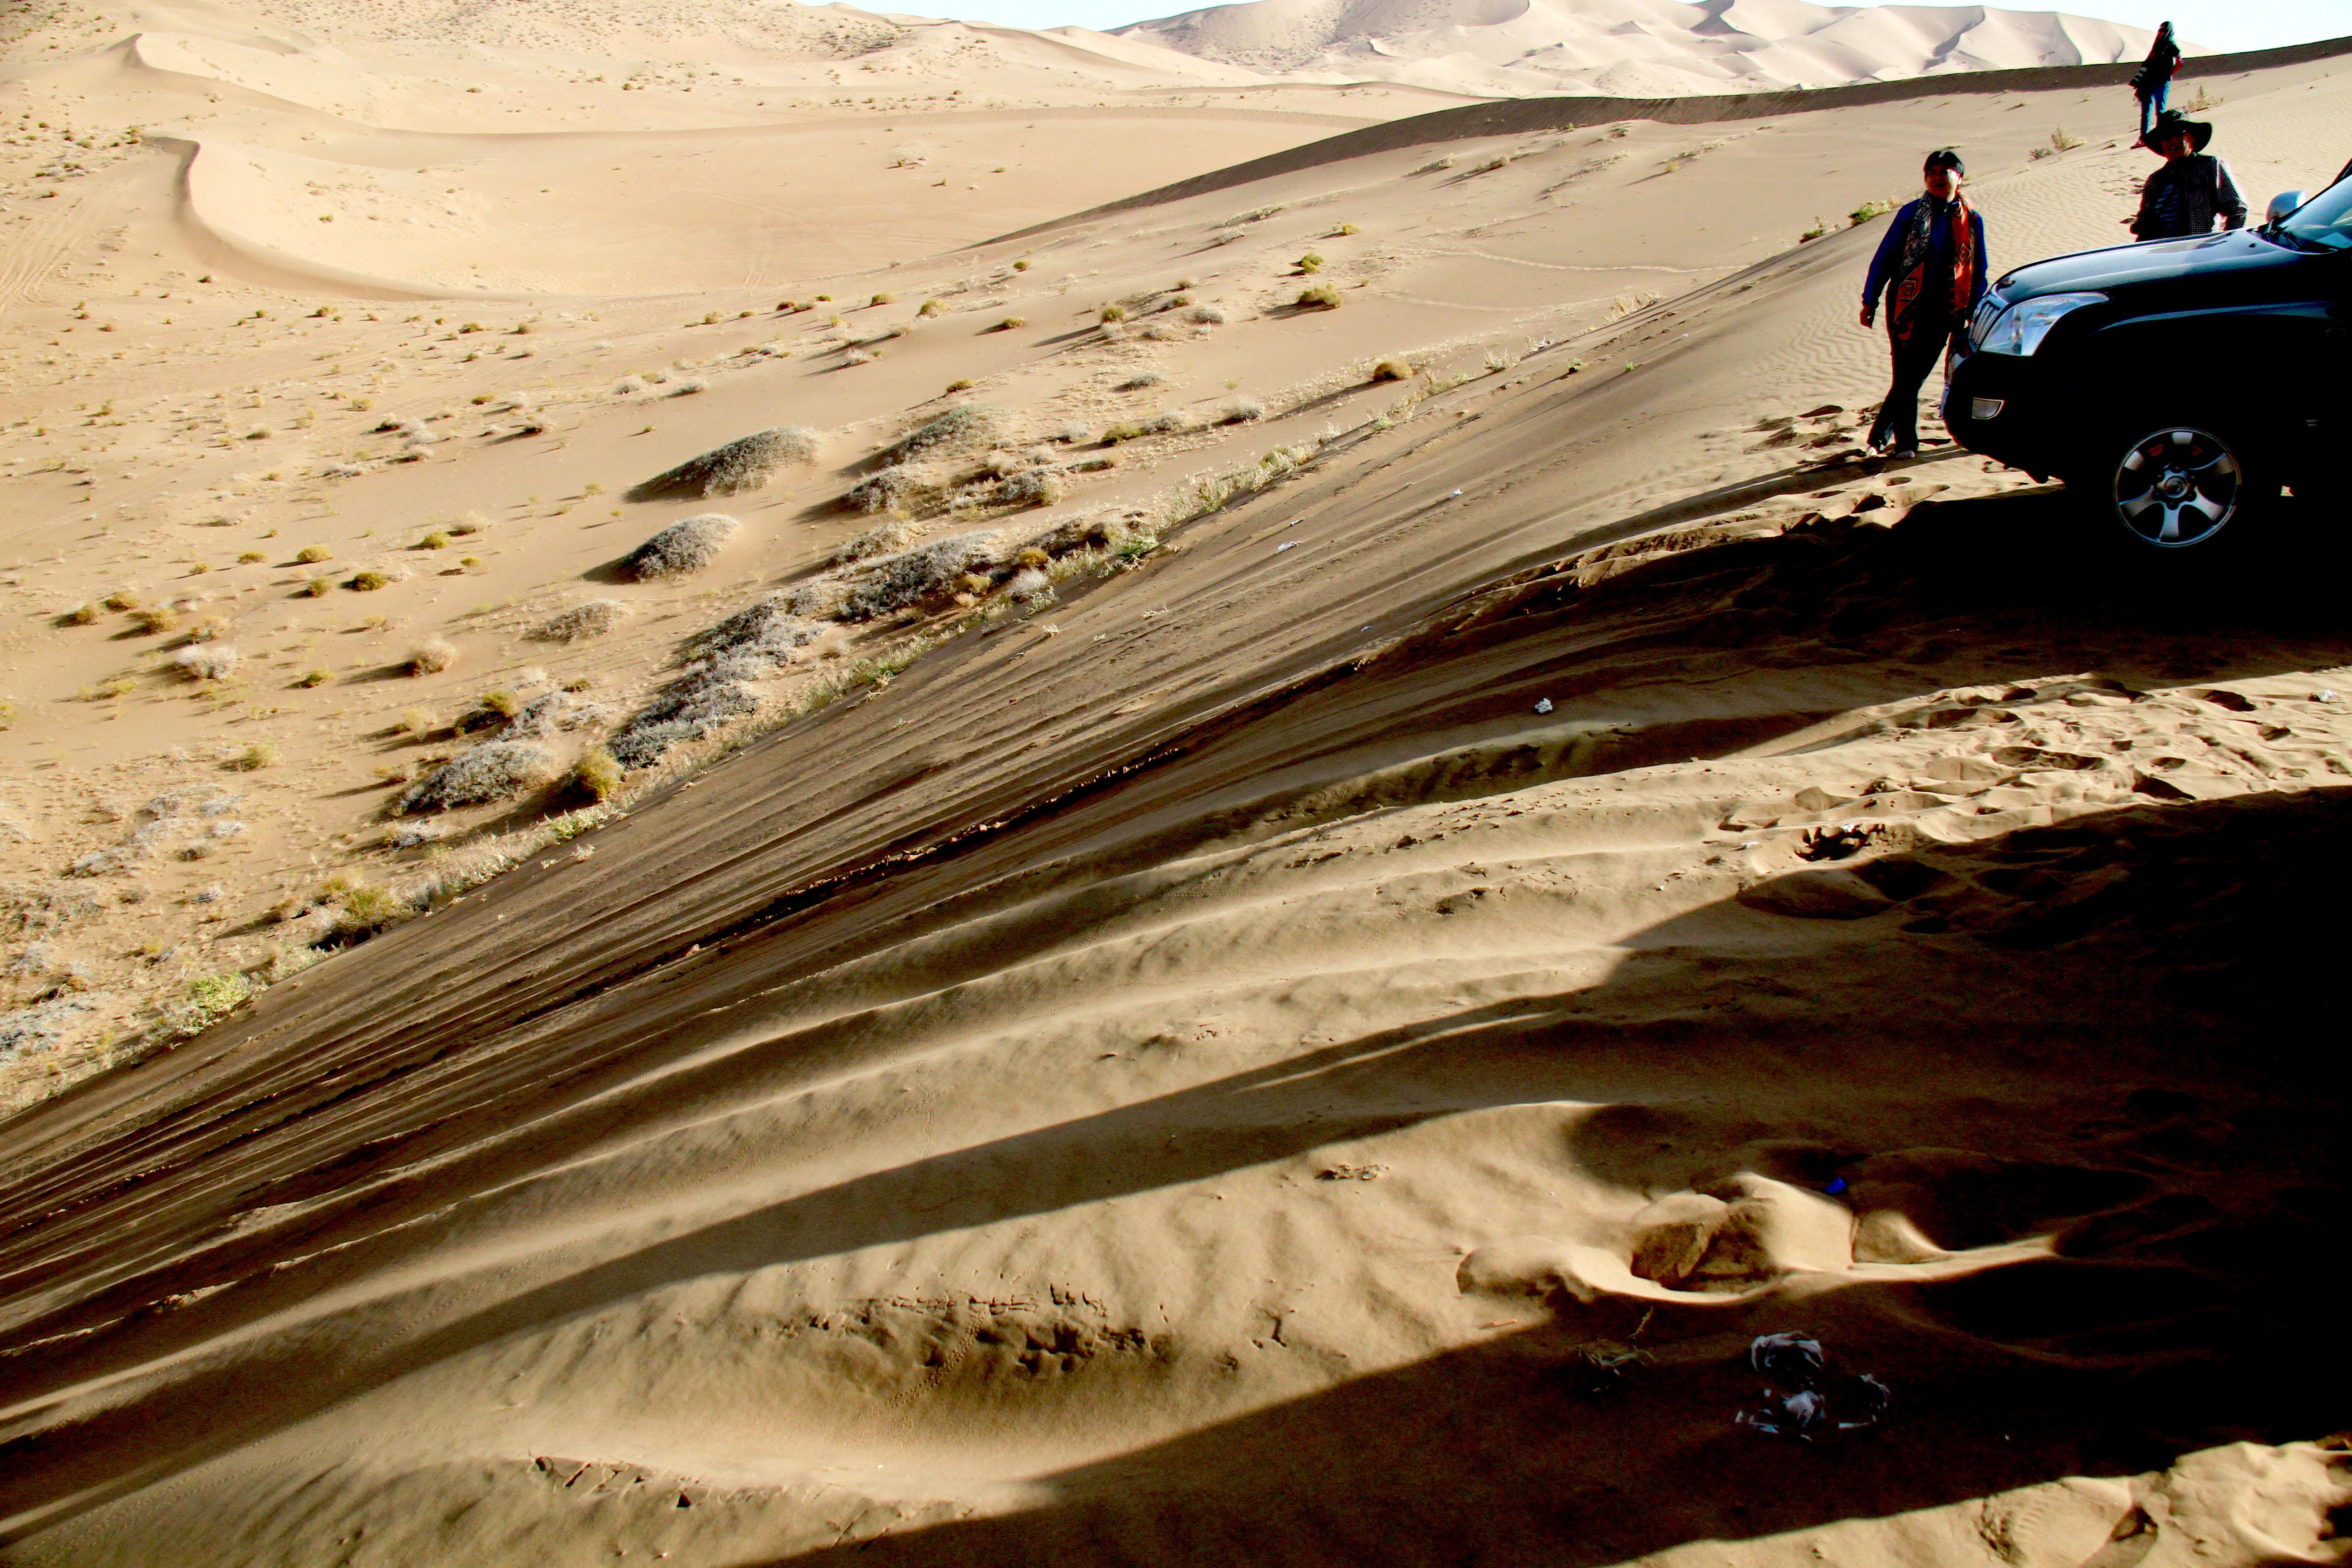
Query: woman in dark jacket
2152, 83
1931, 266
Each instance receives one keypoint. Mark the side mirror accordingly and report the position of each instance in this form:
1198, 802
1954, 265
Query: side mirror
2281, 207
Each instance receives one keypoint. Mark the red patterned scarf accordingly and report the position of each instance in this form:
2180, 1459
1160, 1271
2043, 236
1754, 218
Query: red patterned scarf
1911, 272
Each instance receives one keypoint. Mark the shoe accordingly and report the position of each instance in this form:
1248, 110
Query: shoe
1904, 452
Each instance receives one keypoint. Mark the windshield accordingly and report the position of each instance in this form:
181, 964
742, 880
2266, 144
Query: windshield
2325, 220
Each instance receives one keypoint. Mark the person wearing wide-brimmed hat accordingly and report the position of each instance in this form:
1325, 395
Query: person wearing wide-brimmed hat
1931, 267
2192, 188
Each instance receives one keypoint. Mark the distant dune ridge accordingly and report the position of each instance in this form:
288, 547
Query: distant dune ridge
1632, 47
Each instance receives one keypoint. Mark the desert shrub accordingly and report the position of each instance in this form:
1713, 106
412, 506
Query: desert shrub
156, 620
883, 299
1034, 487
1868, 210
1244, 411
1012, 324
628, 386
1321, 297
122, 599
1345, 229
207, 661
208, 629
1073, 431
367, 582
592, 619
494, 769
931, 308
597, 775
431, 658
415, 721
474, 522
892, 489
1031, 555
1392, 370
686, 545
437, 540
964, 425
315, 678
879, 540
1028, 583
1140, 380
253, 758
1021, 266
317, 587
912, 577
503, 701
1209, 315
745, 463
961, 384
769, 628
1159, 332
81, 615
1310, 262
251, 558
1113, 313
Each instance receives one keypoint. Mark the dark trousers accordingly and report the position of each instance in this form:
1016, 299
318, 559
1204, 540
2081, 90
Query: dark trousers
1899, 417
2152, 104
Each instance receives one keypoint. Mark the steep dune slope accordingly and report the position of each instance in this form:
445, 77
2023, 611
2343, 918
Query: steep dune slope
1188, 1070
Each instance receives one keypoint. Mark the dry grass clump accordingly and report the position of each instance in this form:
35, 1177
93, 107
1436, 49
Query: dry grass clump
437, 540
1010, 325
494, 769
597, 775
81, 615
1243, 411
1399, 369
879, 299
315, 678
431, 658
961, 384
122, 599
745, 463
316, 588
1112, 313
1209, 315
931, 308
928, 570
251, 558
253, 758
1310, 262
592, 619
367, 582
205, 662
156, 621
1140, 380
686, 545
311, 554
1034, 487
208, 629
1321, 297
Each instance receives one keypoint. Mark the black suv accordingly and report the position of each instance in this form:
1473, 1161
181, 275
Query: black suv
2178, 385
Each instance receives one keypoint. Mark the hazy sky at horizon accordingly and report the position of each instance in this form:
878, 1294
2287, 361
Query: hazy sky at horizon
2216, 24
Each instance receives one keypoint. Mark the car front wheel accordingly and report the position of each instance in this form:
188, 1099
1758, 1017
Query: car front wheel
2179, 484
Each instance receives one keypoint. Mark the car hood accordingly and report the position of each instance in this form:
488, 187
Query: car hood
2237, 250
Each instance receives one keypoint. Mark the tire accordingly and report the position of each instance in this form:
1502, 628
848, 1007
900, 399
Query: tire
2175, 484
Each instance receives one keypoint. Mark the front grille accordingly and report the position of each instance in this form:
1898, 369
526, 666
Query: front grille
1987, 314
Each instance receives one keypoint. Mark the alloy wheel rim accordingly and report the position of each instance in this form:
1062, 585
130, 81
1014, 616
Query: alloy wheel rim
2178, 486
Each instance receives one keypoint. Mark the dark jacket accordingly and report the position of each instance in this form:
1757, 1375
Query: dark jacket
2183, 198
1939, 254
2163, 60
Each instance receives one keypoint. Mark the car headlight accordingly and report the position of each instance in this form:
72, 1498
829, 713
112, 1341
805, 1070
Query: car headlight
2020, 329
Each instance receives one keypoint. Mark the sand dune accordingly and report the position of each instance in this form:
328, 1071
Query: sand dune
1635, 48
1299, 1000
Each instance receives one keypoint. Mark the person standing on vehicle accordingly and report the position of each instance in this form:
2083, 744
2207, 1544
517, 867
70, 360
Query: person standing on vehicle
2192, 188
1931, 266
2152, 83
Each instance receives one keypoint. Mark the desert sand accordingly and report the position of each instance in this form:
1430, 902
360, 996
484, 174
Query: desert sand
1209, 927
